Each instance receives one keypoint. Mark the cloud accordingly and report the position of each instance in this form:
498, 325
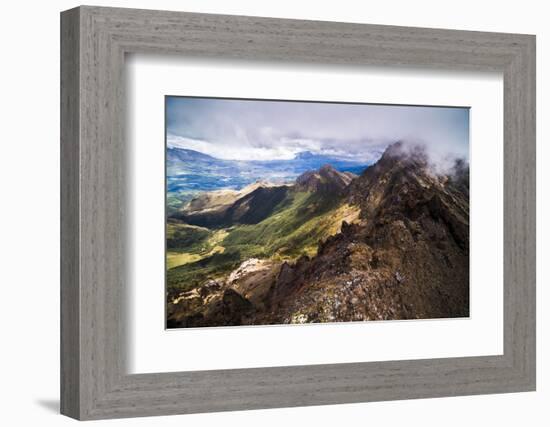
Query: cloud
234, 151
265, 130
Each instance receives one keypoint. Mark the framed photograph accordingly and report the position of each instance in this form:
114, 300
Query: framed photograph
292, 212
261, 213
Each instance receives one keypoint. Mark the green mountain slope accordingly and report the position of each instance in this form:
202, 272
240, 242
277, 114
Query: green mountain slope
294, 229
276, 223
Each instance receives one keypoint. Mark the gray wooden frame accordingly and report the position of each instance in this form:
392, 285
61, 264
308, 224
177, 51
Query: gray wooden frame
94, 41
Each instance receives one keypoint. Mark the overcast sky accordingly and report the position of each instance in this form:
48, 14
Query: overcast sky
266, 130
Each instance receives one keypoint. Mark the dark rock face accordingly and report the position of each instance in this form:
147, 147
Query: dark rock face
407, 257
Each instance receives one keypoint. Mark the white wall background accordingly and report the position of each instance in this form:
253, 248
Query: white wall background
29, 224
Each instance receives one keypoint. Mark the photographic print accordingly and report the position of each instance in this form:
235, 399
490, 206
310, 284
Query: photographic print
294, 212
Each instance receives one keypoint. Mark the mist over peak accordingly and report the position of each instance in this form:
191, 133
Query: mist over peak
435, 160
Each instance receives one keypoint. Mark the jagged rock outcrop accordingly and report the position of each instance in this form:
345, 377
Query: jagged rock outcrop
211, 306
408, 258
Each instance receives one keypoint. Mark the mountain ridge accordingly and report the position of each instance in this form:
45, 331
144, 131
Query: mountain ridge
400, 251
326, 179
189, 172
409, 218
252, 204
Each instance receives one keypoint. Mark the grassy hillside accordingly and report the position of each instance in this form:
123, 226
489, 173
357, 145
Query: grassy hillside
293, 229
190, 275
189, 243
185, 237
175, 200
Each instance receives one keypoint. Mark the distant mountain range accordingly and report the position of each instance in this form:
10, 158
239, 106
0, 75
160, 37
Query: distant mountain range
189, 170
256, 202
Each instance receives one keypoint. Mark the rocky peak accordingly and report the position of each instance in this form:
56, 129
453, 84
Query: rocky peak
326, 179
401, 186
401, 173
327, 170
404, 154
410, 217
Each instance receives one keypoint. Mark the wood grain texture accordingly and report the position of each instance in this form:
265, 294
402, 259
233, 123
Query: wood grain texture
94, 381
70, 314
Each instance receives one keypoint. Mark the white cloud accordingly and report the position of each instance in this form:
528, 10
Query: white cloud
233, 151
265, 130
